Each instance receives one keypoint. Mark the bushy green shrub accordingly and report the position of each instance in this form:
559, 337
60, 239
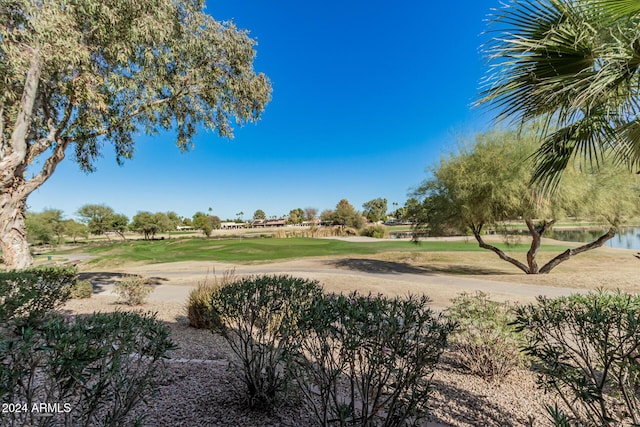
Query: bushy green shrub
98, 368
368, 360
587, 350
259, 318
81, 289
485, 341
377, 231
133, 290
28, 295
200, 312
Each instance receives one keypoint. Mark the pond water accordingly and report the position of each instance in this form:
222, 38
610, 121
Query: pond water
626, 238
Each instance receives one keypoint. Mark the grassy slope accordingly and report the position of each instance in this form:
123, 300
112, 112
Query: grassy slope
249, 250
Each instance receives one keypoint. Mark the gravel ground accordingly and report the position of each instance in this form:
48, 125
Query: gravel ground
198, 388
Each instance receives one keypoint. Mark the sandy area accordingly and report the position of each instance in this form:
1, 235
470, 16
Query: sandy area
199, 390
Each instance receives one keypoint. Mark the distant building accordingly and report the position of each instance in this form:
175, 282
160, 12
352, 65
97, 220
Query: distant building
263, 223
184, 228
229, 225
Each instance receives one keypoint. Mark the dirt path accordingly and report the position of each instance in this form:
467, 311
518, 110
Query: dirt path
173, 281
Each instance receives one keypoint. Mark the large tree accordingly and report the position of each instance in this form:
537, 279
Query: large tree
375, 210
574, 64
346, 215
486, 185
79, 74
102, 220
149, 223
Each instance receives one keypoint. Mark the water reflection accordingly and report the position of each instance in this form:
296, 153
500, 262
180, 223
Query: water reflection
626, 238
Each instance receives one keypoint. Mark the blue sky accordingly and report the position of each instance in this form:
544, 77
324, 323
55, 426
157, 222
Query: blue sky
366, 95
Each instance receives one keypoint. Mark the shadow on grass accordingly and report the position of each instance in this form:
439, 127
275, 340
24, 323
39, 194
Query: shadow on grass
390, 267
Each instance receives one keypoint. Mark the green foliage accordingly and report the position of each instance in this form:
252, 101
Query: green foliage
344, 215
27, 296
133, 290
485, 340
375, 210
149, 223
160, 65
259, 319
574, 66
206, 223
296, 216
46, 226
99, 367
368, 360
259, 214
75, 229
82, 289
377, 231
200, 312
487, 183
96, 217
101, 219
587, 350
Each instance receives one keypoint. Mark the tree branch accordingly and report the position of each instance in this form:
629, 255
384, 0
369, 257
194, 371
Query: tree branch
2, 141
23, 119
572, 252
502, 255
16, 151
48, 168
131, 115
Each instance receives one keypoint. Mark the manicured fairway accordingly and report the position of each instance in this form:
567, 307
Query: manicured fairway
266, 249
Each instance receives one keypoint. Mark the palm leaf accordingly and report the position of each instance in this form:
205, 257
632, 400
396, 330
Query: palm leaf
618, 9
585, 138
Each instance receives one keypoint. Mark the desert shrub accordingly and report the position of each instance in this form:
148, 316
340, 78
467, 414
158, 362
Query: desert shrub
26, 296
133, 290
259, 318
377, 231
587, 351
97, 368
200, 312
485, 341
368, 360
81, 289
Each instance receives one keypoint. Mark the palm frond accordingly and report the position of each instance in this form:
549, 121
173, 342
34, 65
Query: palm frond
584, 138
543, 56
618, 9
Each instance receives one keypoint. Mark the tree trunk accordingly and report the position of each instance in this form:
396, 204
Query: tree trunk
13, 233
572, 252
536, 241
477, 232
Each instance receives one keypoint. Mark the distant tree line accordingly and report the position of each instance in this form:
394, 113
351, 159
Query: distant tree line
51, 227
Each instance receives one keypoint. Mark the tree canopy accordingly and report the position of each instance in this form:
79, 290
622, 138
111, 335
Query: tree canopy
80, 74
486, 184
575, 65
375, 210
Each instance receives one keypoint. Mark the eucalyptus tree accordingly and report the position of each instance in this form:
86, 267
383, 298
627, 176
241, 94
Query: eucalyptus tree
486, 185
76, 75
574, 64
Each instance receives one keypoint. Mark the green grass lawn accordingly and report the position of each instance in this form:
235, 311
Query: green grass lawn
251, 250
